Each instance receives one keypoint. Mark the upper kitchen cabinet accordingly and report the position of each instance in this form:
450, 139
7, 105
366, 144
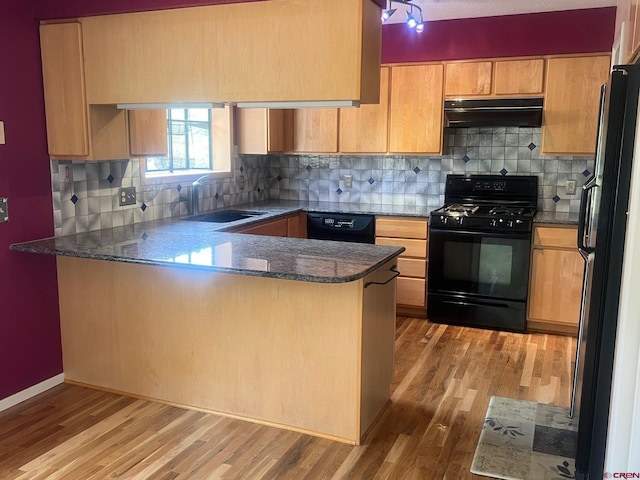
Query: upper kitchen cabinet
364, 129
416, 109
468, 78
518, 77
311, 130
64, 93
148, 132
572, 98
76, 129
273, 51
260, 130
513, 77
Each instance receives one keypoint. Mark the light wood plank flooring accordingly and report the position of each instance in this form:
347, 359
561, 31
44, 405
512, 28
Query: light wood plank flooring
444, 379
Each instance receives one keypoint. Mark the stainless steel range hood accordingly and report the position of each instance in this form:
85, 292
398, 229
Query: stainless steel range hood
493, 112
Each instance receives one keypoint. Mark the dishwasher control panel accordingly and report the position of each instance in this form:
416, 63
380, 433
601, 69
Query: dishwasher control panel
339, 223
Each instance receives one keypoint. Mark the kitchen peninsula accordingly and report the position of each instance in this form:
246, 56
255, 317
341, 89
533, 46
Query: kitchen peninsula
287, 332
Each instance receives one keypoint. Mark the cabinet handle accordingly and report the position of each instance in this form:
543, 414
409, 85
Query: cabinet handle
395, 274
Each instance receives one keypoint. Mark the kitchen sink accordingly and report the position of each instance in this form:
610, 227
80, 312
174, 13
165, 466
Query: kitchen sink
224, 216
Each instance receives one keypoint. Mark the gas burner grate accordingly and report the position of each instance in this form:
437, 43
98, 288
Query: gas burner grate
461, 209
505, 211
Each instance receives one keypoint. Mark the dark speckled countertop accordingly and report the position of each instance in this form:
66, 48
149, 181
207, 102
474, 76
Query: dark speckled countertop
204, 245
556, 217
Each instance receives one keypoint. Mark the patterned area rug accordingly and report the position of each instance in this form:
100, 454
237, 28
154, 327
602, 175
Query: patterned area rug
526, 441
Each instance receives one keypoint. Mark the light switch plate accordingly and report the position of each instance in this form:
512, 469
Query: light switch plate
348, 181
4, 210
2, 139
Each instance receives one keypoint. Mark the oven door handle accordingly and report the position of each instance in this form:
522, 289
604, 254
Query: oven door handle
495, 234
396, 273
470, 304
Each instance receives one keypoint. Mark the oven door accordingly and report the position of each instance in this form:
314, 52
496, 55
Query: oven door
478, 278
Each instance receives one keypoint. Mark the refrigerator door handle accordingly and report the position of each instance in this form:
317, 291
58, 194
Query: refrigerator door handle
585, 212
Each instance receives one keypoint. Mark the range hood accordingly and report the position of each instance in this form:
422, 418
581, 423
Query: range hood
493, 112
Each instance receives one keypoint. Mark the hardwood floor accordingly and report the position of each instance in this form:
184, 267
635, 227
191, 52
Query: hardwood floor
444, 379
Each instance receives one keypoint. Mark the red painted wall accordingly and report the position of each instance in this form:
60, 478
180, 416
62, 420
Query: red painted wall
549, 33
29, 321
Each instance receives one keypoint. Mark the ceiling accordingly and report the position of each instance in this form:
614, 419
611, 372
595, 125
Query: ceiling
448, 9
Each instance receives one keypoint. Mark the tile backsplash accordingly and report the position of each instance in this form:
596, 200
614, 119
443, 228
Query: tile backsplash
85, 194
419, 180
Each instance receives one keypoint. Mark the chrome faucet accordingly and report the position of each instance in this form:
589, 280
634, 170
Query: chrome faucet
195, 195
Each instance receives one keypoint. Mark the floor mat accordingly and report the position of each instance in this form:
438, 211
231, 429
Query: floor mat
523, 440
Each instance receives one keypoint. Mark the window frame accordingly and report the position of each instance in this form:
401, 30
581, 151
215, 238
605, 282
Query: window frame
223, 153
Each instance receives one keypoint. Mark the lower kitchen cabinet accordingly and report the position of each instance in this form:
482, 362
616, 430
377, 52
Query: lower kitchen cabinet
555, 288
294, 225
412, 234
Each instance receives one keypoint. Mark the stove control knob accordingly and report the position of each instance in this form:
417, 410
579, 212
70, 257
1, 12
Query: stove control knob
443, 220
510, 224
459, 220
493, 223
518, 222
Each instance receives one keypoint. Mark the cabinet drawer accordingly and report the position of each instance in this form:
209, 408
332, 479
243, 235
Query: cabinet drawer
412, 267
560, 237
411, 291
401, 227
414, 248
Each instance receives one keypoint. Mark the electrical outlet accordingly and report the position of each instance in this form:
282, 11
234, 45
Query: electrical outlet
241, 182
571, 187
348, 181
127, 196
4, 210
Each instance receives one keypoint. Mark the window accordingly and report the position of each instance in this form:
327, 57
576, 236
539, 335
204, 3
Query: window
198, 141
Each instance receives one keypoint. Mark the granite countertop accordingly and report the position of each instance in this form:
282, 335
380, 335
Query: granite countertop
556, 217
204, 245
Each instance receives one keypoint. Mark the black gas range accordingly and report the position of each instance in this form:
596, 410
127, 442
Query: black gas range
479, 251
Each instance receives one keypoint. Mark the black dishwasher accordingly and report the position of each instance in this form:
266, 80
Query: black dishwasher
342, 227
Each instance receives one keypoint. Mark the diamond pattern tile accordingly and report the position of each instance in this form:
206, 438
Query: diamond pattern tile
556, 198
371, 181
241, 169
279, 177
339, 191
74, 199
179, 187
532, 146
466, 159
216, 196
143, 207
110, 178
145, 236
308, 167
503, 172
586, 173
417, 170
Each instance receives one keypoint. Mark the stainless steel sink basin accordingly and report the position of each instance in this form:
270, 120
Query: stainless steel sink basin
224, 216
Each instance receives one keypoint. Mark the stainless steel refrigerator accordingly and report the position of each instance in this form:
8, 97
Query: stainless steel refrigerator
601, 238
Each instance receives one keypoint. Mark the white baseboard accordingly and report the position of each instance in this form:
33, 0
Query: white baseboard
30, 392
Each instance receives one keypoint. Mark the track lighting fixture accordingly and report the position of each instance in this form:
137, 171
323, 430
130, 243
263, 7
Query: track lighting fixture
415, 21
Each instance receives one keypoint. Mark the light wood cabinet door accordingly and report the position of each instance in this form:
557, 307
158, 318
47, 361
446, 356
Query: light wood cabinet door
297, 225
148, 132
416, 109
64, 89
468, 78
518, 77
555, 288
365, 129
572, 98
260, 130
236, 52
315, 130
